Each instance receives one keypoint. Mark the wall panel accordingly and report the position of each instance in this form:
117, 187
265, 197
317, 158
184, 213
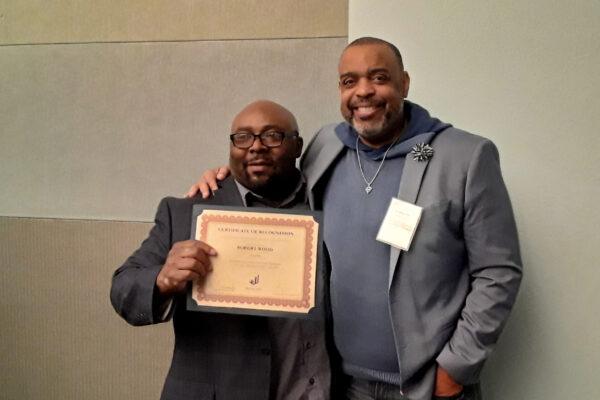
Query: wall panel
59, 336
105, 130
66, 21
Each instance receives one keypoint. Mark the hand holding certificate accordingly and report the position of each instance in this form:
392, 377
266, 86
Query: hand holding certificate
266, 261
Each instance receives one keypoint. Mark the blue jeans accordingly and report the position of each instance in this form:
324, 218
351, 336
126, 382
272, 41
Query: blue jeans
361, 389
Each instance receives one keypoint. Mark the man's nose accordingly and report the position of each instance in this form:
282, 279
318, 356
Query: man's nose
364, 88
257, 145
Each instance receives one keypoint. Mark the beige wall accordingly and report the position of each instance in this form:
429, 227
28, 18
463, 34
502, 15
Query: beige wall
105, 107
67, 21
105, 130
525, 75
59, 337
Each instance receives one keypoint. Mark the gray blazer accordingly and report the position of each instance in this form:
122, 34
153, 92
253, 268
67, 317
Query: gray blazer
451, 293
216, 356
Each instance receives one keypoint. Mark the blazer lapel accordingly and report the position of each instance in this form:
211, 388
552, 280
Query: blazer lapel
410, 183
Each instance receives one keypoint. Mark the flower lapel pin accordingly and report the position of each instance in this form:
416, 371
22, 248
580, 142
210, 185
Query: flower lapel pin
421, 152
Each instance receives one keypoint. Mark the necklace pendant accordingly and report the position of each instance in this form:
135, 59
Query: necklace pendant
369, 188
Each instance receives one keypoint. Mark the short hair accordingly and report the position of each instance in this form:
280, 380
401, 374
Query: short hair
373, 40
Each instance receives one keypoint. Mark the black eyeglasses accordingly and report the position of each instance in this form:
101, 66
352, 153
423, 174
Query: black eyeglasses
245, 140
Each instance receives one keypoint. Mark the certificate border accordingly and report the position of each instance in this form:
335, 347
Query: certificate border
309, 227
320, 274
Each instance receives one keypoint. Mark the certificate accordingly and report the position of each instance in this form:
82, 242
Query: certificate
266, 262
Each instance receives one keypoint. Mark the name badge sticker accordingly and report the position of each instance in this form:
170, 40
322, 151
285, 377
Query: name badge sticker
399, 224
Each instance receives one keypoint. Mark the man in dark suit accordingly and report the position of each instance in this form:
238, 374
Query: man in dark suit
227, 356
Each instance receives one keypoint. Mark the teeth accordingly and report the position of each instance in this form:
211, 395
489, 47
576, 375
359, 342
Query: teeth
363, 112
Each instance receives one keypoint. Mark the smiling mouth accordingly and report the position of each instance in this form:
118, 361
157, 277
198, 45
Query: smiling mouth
365, 112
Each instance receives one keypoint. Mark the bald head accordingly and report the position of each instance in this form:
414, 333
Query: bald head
366, 40
263, 157
267, 110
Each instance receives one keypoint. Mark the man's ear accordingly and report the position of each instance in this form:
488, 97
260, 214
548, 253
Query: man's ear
299, 144
405, 84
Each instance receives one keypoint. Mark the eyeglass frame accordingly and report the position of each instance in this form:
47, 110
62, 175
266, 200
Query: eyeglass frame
261, 136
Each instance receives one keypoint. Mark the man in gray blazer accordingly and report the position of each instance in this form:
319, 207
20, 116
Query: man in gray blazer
417, 323
227, 356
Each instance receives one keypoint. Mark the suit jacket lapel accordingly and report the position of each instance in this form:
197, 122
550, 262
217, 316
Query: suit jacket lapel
410, 183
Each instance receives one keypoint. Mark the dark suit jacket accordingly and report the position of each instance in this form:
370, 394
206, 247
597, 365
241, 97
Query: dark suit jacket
216, 356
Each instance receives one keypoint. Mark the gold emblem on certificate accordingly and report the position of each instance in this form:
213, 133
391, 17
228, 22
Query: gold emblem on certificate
265, 261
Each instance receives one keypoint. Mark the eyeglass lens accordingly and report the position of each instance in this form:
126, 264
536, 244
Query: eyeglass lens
269, 139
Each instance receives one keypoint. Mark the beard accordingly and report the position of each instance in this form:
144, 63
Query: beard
378, 130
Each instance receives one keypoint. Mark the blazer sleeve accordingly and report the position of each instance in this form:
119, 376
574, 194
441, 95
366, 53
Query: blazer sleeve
494, 263
133, 293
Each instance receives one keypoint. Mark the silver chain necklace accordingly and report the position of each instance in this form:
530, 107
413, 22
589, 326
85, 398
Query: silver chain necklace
369, 186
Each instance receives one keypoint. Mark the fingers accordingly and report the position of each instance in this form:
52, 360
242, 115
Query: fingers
222, 172
199, 264
445, 385
191, 254
201, 246
187, 260
192, 191
208, 181
175, 281
207, 184
204, 188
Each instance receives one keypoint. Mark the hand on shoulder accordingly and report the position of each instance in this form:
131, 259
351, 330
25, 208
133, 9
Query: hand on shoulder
207, 183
